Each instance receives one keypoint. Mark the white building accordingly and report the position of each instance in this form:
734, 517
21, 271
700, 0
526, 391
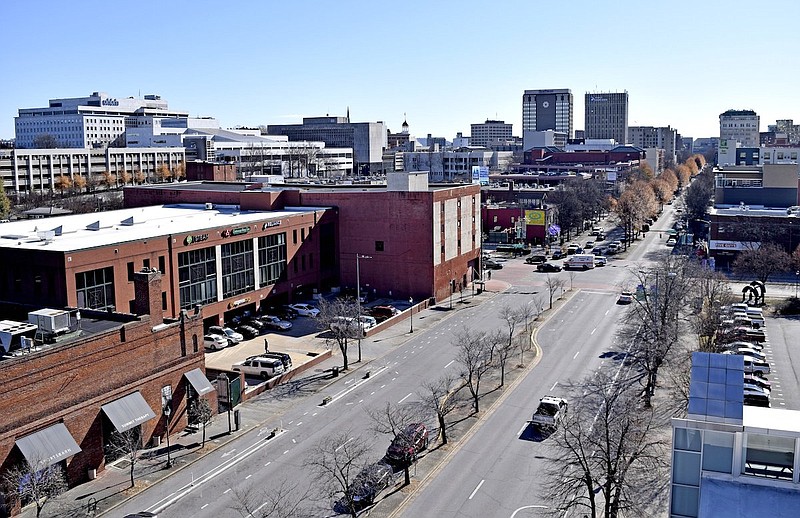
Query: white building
739, 126
653, 137
488, 131
87, 122
544, 110
450, 165
532, 139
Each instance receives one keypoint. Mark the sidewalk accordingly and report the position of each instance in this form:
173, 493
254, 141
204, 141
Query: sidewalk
112, 487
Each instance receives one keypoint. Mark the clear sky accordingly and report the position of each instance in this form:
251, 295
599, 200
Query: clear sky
445, 64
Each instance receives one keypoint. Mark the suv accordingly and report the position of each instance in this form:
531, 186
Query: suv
285, 359
382, 313
536, 259
408, 443
259, 366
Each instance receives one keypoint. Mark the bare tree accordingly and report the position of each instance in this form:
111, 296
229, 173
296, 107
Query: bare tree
571, 275
523, 344
336, 461
443, 397
340, 318
126, 444
762, 262
473, 353
608, 457
35, 482
709, 292
279, 501
553, 284
393, 420
200, 413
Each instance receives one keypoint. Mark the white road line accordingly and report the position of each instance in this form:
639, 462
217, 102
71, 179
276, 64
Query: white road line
315, 413
449, 364
301, 422
248, 476
408, 396
267, 464
206, 505
226, 491
287, 451
554, 386
522, 429
593, 330
343, 444
476, 489
607, 311
576, 355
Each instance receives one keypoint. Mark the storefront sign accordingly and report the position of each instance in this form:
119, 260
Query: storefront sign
197, 238
238, 231
718, 244
239, 302
270, 224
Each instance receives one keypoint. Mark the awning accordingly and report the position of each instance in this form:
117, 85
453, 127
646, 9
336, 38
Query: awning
199, 381
128, 412
47, 447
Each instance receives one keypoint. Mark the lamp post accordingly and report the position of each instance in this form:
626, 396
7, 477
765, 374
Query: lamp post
358, 299
411, 308
167, 414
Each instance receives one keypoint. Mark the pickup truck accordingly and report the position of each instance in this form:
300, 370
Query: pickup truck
549, 413
261, 366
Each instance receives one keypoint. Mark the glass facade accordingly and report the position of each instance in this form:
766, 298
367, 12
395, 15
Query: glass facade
95, 288
197, 274
271, 258
238, 269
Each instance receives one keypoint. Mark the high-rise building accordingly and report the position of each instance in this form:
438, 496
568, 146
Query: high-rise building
544, 110
87, 122
607, 116
740, 126
483, 133
651, 137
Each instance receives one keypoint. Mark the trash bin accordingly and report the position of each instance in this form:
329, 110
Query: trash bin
335, 371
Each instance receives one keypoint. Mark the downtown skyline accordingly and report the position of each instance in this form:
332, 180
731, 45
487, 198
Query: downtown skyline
443, 67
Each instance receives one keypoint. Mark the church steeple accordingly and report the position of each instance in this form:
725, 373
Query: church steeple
405, 125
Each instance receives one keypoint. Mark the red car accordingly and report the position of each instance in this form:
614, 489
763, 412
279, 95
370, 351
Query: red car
408, 443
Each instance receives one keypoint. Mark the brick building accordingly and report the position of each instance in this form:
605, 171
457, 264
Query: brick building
109, 372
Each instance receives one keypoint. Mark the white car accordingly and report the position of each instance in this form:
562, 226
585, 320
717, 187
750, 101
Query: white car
672, 241
305, 310
625, 297
226, 332
215, 342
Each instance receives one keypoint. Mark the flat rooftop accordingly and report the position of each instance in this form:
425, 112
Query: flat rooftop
85, 231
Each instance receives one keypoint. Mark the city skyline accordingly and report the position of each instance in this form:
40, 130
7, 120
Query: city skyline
442, 68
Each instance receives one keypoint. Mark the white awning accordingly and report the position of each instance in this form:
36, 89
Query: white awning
47, 447
199, 381
128, 412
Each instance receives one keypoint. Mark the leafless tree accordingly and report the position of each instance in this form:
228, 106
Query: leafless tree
443, 397
608, 457
335, 462
473, 353
393, 420
762, 262
523, 344
283, 500
126, 444
572, 275
553, 284
709, 291
200, 413
35, 482
343, 314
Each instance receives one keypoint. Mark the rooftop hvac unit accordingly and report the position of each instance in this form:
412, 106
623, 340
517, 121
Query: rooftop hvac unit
53, 321
209, 206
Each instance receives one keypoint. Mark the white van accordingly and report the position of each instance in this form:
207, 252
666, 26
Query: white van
580, 262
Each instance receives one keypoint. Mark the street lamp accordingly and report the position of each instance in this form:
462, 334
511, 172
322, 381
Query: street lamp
411, 301
358, 299
167, 414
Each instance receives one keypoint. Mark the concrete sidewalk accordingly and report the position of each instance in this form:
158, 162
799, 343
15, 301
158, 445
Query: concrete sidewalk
112, 487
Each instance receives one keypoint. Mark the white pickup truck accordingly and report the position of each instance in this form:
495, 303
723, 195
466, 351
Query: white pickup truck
261, 366
549, 413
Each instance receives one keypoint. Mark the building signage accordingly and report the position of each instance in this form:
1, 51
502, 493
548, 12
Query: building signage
239, 302
718, 244
197, 238
109, 102
270, 224
534, 217
238, 231
596, 99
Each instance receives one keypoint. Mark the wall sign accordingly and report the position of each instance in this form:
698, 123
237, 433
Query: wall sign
238, 231
197, 238
269, 224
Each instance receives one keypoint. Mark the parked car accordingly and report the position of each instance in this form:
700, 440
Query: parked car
406, 444
626, 297
254, 322
305, 310
285, 359
753, 365
759, 381
370, 481
286, 312
215, 342
232, 336
260, 366
385, 312
748, 352
548, 267
273, 322
536, 259
491, 264
549, 413
248, 332
756, 386
347, 326
672, 241
755, 398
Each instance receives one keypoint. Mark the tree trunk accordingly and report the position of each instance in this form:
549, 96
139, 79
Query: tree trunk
407, 473
443, 428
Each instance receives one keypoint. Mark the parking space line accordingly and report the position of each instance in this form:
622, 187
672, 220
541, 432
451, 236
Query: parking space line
476, 489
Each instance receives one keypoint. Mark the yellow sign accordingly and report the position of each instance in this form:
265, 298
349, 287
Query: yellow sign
534, 217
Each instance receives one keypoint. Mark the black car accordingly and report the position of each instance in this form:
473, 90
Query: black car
283, 357
536, 259
254, 323
248, 332
286, 312
490, 264
548, 267
558, 254
370, 481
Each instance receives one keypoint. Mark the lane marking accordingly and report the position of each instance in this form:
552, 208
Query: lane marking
476, 489
206, 505
554, 386
593, 330
576, 355
226, 491
522, 429
343, 444
449, 364
408, 396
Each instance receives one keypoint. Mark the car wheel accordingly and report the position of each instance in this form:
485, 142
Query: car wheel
264, 375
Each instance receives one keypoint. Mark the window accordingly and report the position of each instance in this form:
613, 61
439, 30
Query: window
146, 264
95, 288
130, 271
717, 451
294, 236
161, 264
302, 234
271, 258
194, 343
197, 277
164, 300
379, 246
238, 270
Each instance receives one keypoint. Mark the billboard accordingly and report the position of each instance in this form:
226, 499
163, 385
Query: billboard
534, 218
476, 174
545, 112
480, 175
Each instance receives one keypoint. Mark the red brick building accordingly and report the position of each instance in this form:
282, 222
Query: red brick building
111, 371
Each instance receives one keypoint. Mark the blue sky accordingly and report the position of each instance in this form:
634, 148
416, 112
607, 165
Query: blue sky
445, 64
